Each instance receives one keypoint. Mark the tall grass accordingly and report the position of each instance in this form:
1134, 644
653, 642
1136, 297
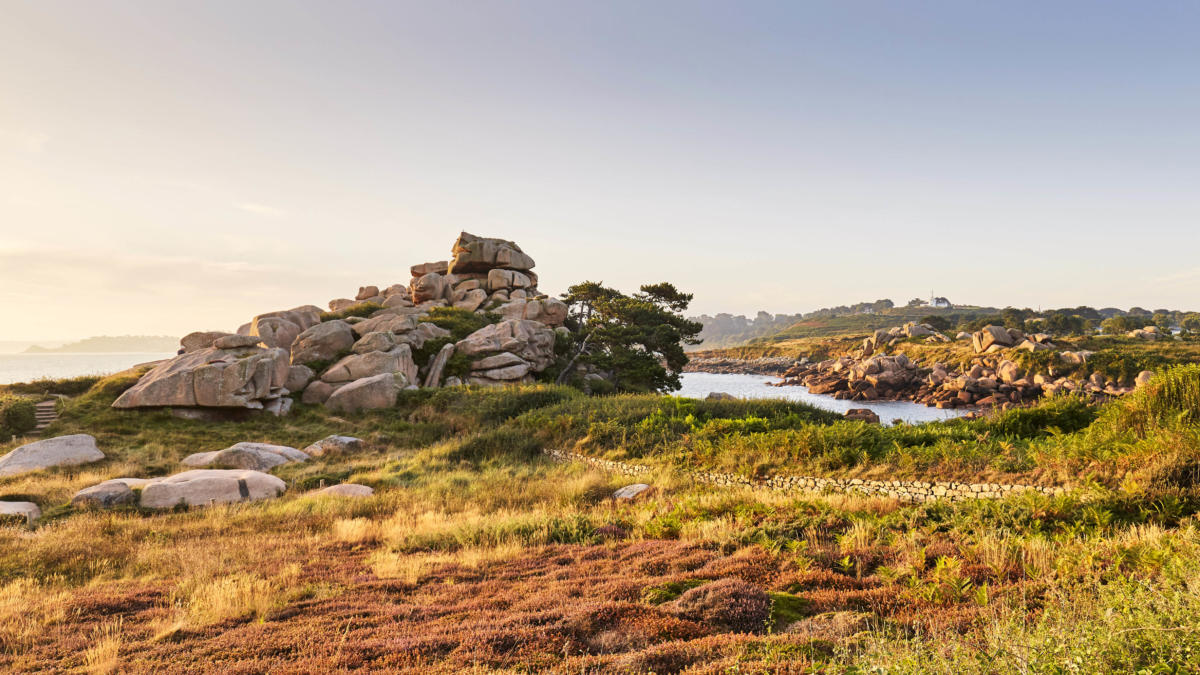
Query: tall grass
1170, 400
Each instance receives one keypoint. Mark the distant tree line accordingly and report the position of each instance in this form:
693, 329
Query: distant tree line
1084, 320
724, 330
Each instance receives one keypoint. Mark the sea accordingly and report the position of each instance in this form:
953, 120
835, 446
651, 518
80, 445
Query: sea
699, 385
29, 367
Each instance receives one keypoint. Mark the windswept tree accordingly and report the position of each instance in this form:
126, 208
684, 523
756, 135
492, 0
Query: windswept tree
635, 341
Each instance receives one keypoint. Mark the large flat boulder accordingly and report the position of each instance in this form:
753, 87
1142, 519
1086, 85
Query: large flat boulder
367, 393
61, 451
550, 311
227, 378
210, 486
359, 366
386, 321
481, 254
254, 456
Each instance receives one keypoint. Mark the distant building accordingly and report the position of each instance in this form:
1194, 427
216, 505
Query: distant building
939, 302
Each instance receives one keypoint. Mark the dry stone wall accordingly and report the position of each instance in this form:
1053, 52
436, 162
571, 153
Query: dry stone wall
904, 490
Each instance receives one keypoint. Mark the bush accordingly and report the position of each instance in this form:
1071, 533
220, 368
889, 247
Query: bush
17, 416
363, 309
728, 604
460, 322
1171, 399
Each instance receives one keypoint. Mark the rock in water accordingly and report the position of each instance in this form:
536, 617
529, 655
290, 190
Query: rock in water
61, 451
208, 486
862, 415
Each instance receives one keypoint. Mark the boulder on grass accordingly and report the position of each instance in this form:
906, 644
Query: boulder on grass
60, 451
633, 492
253, 456
27, 510
105, 495
347, 490
332, 446
210, 486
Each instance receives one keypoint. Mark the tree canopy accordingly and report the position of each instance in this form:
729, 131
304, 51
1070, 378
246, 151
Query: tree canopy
635, 341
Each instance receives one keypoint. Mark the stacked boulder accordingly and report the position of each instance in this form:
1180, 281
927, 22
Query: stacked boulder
366, 350
509, 351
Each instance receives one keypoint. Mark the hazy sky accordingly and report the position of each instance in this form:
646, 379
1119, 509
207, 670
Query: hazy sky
172, 166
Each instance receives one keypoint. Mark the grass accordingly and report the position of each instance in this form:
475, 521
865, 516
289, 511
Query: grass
476, 554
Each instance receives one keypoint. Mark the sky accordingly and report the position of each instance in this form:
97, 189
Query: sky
176, 166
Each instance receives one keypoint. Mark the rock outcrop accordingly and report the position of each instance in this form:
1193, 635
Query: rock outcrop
245, 377
508, 351
60, 451
366, 350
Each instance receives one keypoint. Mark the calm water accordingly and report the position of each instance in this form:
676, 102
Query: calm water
28, 367
699, 385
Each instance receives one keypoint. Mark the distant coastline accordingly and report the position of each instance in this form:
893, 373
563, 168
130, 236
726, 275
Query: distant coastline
105, 344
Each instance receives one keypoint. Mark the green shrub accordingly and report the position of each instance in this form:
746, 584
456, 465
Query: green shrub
1171, 399
17, 416
498, 444
363, 309
460, 322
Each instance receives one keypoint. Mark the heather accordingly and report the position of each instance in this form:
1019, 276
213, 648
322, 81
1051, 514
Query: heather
479, 554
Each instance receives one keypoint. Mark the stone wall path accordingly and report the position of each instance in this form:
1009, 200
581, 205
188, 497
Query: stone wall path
904, 490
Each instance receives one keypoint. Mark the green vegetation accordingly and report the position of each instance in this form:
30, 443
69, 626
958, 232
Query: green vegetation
475, 539
636, 341
363, 309
17, 416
